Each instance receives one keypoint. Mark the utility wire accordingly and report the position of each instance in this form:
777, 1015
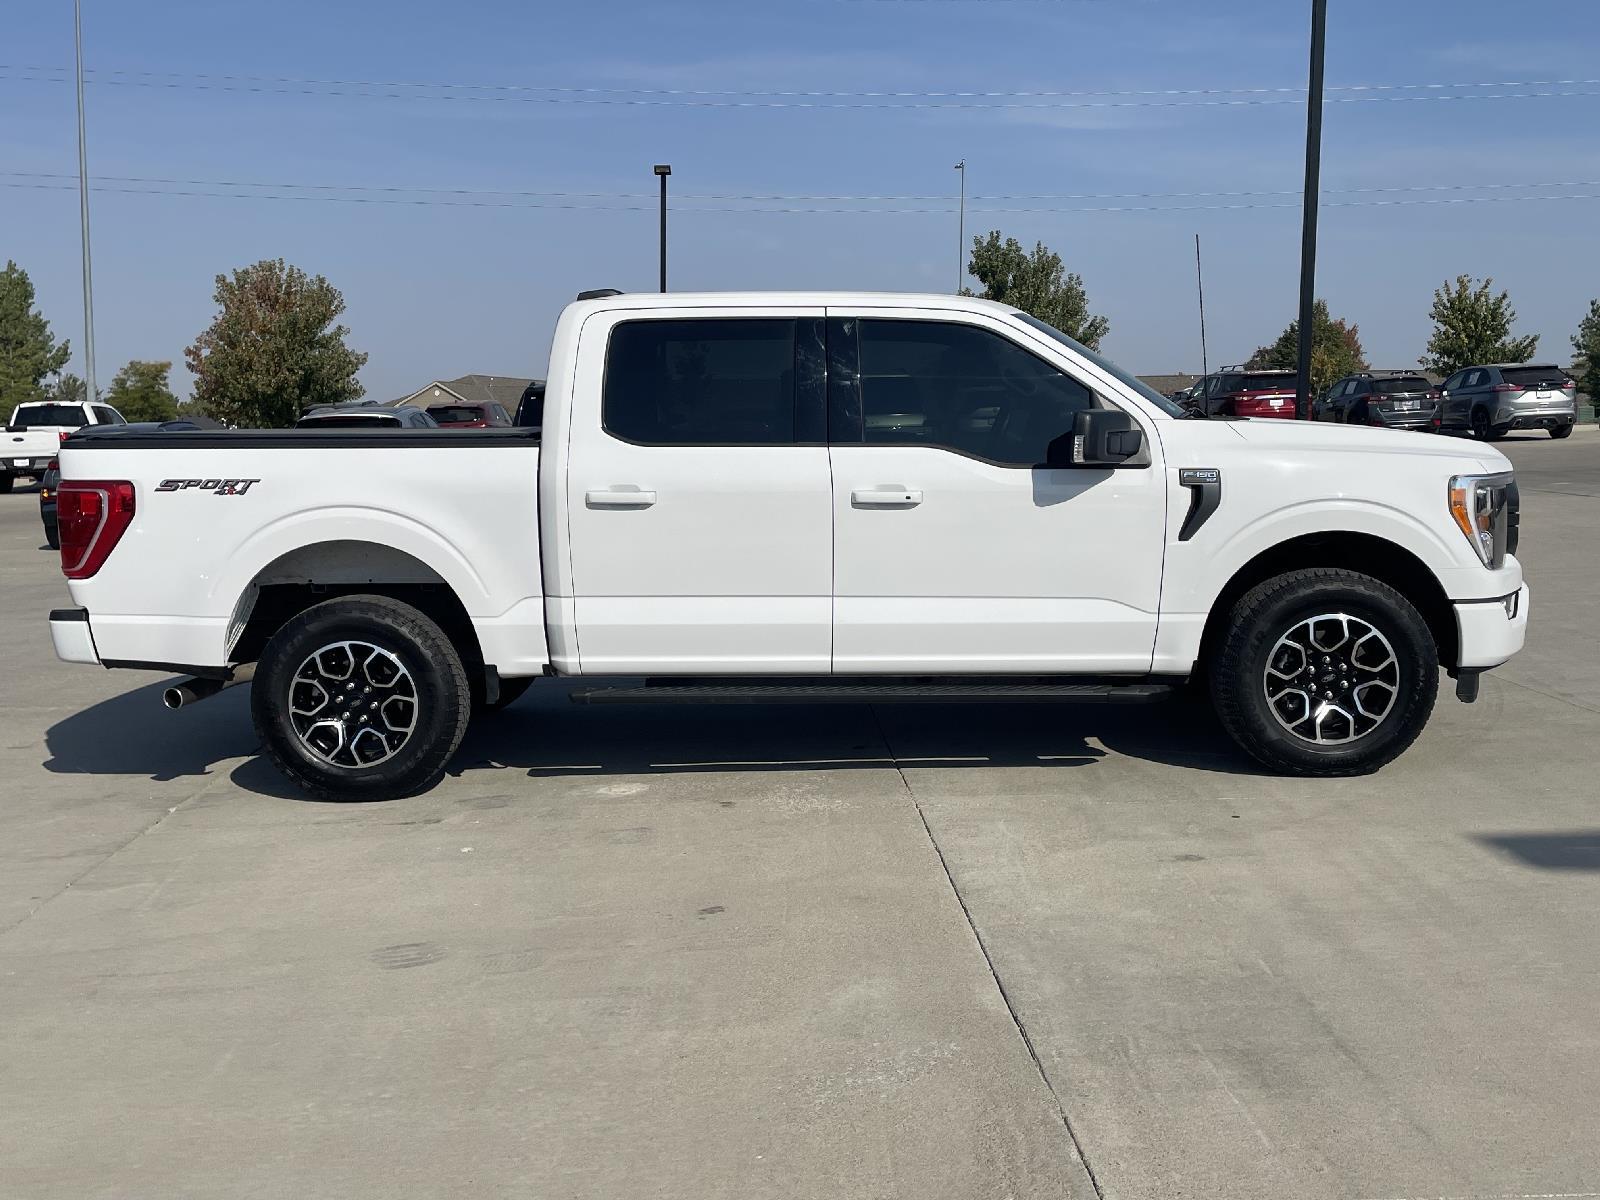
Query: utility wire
774, 197
156, 191
690, 102
774, 92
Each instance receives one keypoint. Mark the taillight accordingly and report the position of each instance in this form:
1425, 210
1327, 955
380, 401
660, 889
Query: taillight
61, 438
1509, 387
1435, 395
92, 515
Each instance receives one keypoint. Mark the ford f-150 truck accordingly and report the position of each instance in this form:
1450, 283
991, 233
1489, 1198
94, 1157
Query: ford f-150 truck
798, 497
37, 429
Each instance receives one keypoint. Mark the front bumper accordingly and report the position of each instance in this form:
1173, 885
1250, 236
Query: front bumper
1491, 631
71, 636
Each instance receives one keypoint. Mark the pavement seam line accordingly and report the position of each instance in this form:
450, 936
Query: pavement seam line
102, 861
1528, 687
994, 974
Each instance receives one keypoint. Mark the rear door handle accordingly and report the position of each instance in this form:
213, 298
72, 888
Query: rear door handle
631, 497
885, 496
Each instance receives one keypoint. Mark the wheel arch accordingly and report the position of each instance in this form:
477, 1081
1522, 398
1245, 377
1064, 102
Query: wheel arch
309, 574
1363, 553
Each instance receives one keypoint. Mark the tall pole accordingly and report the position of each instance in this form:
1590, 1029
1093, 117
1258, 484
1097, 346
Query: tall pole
83, 213
1308, 235
662, 171
1200, 285
961, 229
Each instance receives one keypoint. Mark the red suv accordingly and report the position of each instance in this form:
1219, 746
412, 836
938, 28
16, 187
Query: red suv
1238, 392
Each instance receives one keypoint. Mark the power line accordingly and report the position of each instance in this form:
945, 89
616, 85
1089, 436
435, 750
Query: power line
563, 89
1163, 208
773, 197
638, 101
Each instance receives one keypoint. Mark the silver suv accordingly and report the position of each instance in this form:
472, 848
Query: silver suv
1492, 401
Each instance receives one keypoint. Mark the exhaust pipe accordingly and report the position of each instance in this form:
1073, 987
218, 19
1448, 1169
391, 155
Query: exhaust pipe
192, 691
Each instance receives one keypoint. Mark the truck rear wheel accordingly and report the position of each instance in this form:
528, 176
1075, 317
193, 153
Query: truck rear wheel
1325, 672
5, 483
361, 698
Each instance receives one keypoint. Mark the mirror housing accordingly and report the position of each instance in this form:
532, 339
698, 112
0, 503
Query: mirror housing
1100, 437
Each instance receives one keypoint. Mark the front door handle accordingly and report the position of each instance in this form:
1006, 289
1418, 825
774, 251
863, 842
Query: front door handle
619, 497
885, 496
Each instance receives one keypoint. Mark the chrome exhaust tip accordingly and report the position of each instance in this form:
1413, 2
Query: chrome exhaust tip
192, 691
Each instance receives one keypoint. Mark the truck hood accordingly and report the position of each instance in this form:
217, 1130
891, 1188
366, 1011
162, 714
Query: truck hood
1291, 438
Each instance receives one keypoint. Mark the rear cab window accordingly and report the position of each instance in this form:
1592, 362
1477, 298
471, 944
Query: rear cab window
711, 381
66, 415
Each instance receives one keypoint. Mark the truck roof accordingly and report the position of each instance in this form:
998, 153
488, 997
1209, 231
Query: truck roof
659, 300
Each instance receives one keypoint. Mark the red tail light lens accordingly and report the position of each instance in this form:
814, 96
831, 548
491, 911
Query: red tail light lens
92, 515
61, 438
1509, 387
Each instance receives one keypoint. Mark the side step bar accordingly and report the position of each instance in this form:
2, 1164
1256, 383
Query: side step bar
811, 690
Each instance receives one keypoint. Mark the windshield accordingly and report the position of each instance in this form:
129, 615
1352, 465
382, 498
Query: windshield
1411, 383
48, 414
348, 421
1105, 364
455, 414
1277, 381
1535, 377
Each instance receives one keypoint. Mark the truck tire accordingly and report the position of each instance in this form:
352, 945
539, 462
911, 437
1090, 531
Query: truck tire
5, 484
1325, 672
360, 698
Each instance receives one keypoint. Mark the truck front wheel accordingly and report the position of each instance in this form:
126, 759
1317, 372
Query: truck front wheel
361, 698
1325, 672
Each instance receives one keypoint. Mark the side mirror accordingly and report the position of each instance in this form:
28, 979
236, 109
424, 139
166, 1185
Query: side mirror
1100, 437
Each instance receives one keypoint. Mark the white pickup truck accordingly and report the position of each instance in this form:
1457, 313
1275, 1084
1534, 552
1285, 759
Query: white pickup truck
798, 497
36, 430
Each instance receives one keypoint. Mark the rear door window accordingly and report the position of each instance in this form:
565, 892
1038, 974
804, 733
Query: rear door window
701, 382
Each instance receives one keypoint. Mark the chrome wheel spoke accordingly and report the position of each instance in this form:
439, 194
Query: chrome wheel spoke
353, 704
1331, 679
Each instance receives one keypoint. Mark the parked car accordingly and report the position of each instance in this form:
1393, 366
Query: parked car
366, 416
47, 503
469, 416
720, 502
37, 430
1239, 392
1493, 400
1390, 399
530, 409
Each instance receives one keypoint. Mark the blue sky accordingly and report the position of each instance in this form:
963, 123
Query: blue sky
435, 290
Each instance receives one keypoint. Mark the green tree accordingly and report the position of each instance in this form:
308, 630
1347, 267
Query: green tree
1587, 344
1038, 284
1335, 349
275, 348
28, 351
1472, 326
69, 389
140, 392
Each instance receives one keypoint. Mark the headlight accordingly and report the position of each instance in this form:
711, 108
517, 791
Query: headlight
1481, 508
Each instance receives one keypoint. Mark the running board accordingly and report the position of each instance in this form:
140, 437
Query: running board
866, 691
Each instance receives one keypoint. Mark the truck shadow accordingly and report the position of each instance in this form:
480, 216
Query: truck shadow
545, 736
134, 734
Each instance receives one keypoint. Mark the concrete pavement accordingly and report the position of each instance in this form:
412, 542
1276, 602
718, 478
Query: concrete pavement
808, 952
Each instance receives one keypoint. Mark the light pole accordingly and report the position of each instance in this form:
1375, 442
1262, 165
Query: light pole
83, 213
1308, 233
662, 171
1200, 285
961, 229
